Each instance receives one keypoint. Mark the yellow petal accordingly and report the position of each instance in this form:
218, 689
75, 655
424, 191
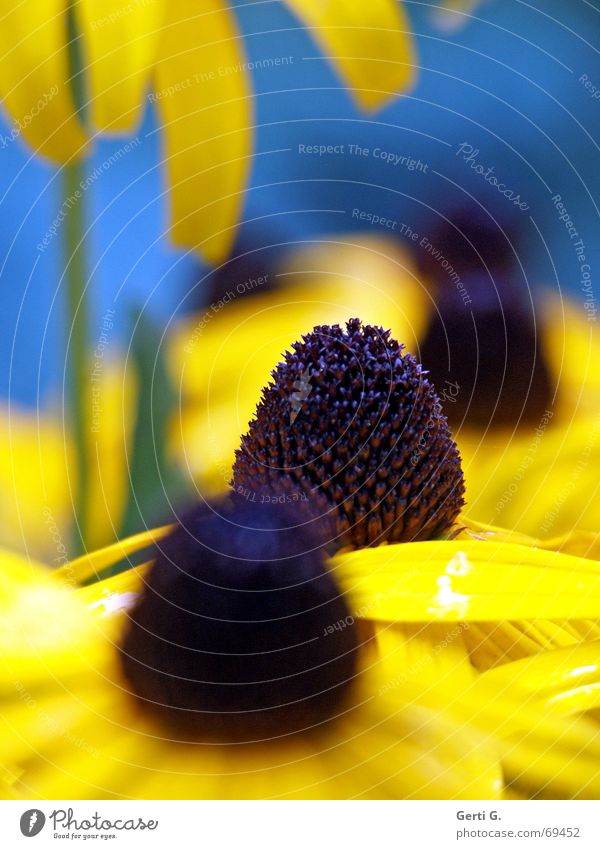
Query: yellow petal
468, 581
89, 565
369, 44
573, 350
120, 42
16, 571
203, 96
567, 680
580, 543
541, 482
34, 78
35, 499
491, 644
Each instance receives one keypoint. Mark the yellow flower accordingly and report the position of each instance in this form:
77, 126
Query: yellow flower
477, 652
423, 722
541, 479
191, 55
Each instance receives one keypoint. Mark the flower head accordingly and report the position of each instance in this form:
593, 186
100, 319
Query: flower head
352, 417
227, 638
478, 680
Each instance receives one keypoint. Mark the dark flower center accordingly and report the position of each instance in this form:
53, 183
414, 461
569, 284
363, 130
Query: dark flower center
482, 346
232, 637
349, 416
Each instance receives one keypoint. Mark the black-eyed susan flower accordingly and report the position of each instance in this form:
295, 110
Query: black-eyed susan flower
243, 664
231, 669
460, 666
520, 383
190, 59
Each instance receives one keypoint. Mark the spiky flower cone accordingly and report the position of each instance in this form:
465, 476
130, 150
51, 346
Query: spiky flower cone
351, 417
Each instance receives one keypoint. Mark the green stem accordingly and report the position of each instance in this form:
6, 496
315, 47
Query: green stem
78, 365
78, 373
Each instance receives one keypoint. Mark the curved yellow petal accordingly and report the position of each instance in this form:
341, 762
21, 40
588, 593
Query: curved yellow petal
369, 44
540, 752
120, 42
566, 679
580, 543
203, 96
468, 581
89, 565
491, 644
34, 78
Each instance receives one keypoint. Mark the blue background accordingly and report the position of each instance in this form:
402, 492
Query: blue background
507, 83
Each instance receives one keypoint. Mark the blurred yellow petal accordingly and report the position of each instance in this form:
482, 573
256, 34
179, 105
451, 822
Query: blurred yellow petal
566, 680
542, 484
15, 571
35, 497
370, 44
204, 99
572, 347
37, 481
120, 43
468, 581
34, 78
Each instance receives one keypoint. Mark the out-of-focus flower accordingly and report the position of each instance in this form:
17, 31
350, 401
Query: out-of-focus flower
434, 711
72, 726
191, 58
520, 382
